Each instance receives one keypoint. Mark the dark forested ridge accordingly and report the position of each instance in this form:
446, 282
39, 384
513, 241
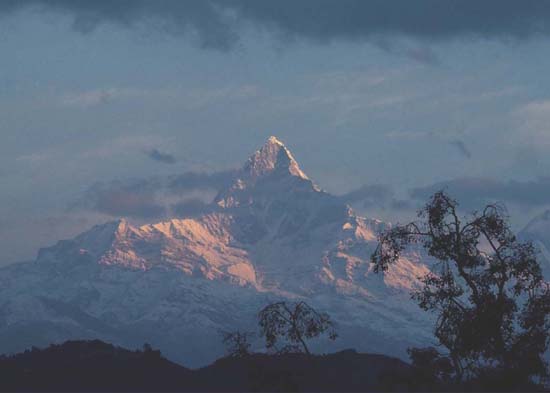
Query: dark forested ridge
90, 366
98, 366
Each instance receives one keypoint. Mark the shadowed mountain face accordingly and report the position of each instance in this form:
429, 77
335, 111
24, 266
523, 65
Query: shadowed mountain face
97, 366
273, 234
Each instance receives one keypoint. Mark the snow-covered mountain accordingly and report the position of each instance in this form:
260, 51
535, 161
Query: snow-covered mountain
273, 234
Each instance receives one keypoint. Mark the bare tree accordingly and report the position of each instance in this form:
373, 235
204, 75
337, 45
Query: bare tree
294, 324
486, 289
237, 343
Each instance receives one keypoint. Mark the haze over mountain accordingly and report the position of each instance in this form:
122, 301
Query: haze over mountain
272, 234
538, 232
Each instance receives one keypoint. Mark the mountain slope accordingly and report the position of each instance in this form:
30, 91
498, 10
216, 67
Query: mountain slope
272, 234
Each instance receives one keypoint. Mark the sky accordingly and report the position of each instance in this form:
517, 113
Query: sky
143, 108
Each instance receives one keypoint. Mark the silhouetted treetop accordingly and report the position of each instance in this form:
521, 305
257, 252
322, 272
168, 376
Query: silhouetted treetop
485, 287
293, 324
237, 343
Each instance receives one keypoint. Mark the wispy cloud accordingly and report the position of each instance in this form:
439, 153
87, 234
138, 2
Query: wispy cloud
91, 98
474, 192
189, 98
461, 148
156, 197
123, 202
38, 157
130, 143
419, 53
533, 123
423, 54
348, 80
377, 196
409, 134
156, 155
536, 108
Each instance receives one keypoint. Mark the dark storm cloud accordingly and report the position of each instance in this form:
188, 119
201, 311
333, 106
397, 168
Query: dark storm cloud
461, 148
159, 156
155, 197
216, 23
205, 19
473, 193
328, 19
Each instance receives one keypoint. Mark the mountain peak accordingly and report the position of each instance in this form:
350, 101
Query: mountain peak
273, 156
272, 168
273, 140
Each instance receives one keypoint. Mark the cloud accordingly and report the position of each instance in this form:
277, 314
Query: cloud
218, 23
188, 99
207, 21
378, 196
409, 135
373, 193
122, 199
461, 148
159, 156
89, 98
155, 198
422, 54
458, 144
200, 181
474, 193
191, 208
433, 19
37, 158
105, 95
533, 119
